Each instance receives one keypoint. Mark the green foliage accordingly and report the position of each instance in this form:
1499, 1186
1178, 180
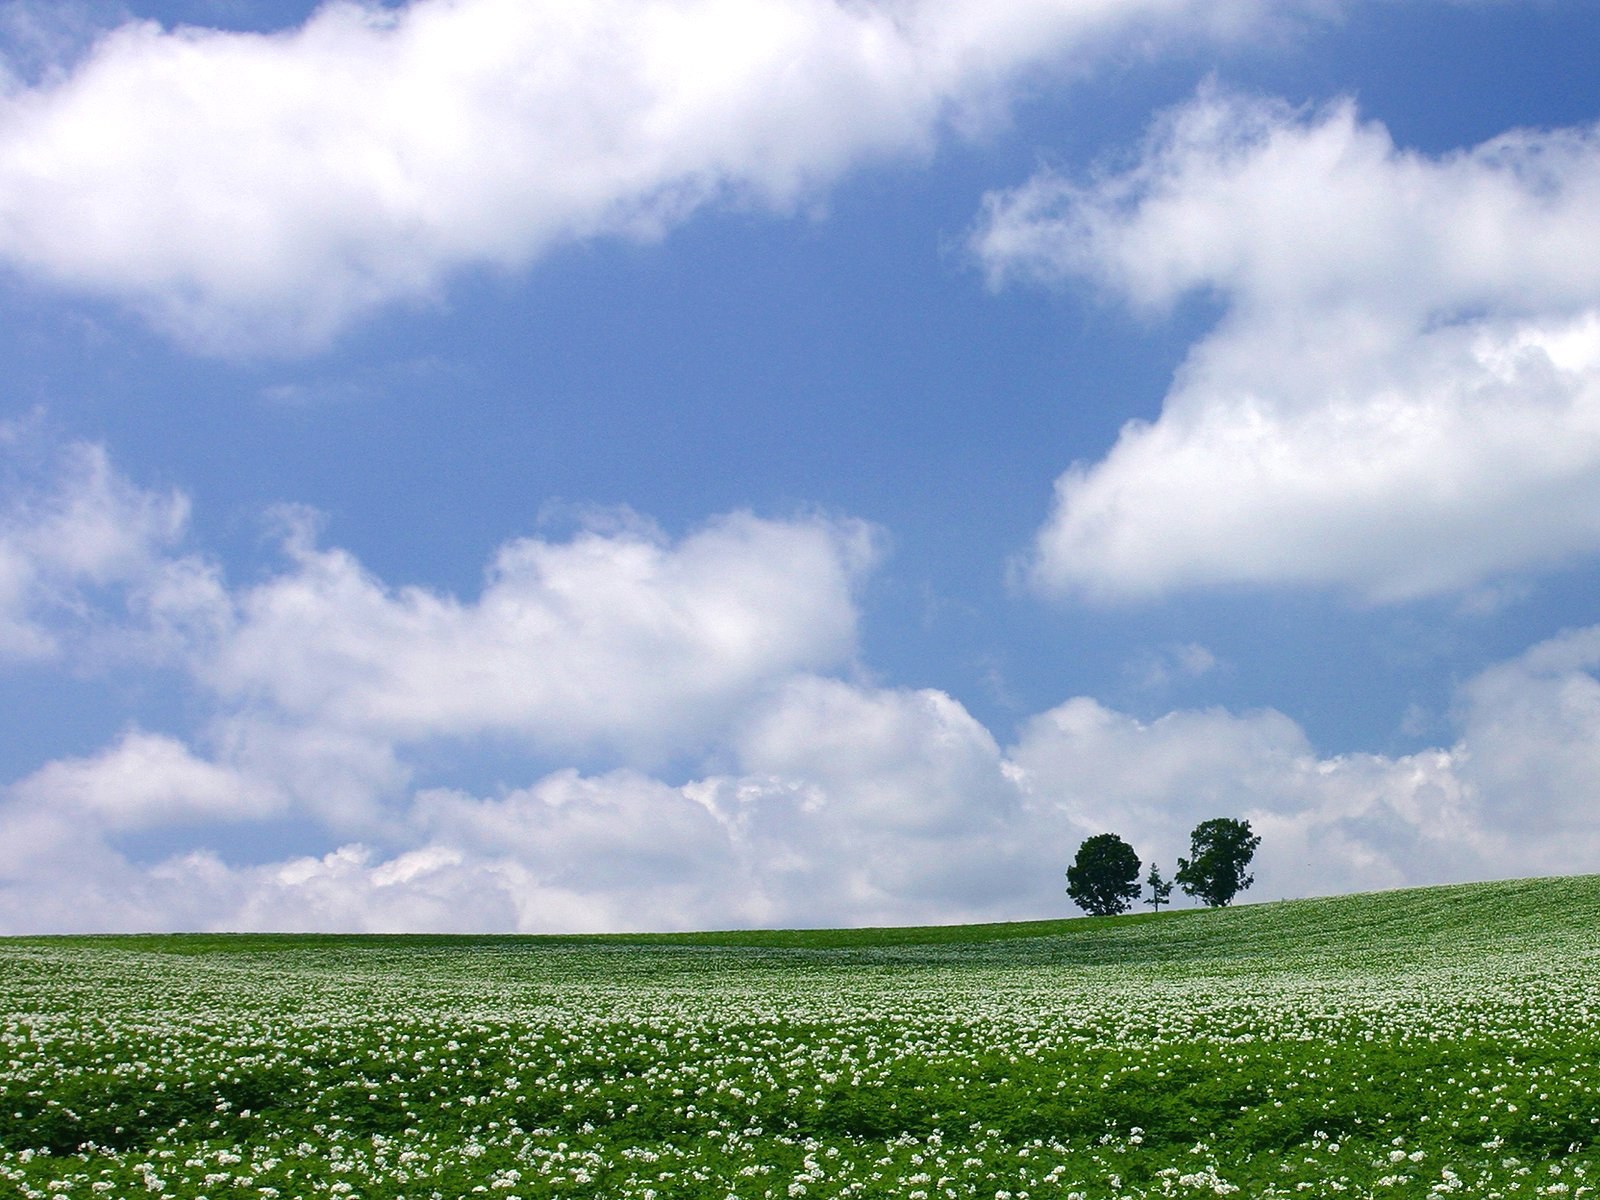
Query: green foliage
1412, 1045
1222, 849
1103, 879
1160, 888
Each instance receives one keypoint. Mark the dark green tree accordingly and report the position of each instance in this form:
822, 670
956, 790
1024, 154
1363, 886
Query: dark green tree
1220, 849
1160, 889
1104, 878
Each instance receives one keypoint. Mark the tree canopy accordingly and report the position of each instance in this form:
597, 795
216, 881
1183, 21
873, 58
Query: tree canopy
1219, 852
1104, 878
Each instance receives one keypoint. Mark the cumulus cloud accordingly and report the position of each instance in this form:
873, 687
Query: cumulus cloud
318, 687
618, 637
907, 812
145, 780
879, 806
903, 812
250, 191
1347, 823
802, 796
72, 528
911, 815
1403, 396
845, 804
901, 760
1511, 795
59, 866
1530, 730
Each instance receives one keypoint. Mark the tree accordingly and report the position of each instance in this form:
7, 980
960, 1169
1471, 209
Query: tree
1104, 879
1220, 850
1160, 889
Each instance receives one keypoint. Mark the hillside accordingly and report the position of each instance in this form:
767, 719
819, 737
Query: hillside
1404, 1044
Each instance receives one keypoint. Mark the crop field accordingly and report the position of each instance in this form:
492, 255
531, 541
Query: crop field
1437, 1042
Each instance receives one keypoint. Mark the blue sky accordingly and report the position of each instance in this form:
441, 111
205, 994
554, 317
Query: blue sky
670, 463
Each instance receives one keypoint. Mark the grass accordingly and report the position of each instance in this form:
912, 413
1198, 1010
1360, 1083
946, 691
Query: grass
1415, 1043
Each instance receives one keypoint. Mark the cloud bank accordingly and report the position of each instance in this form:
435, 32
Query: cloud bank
250, 192
1402, 398
813, 796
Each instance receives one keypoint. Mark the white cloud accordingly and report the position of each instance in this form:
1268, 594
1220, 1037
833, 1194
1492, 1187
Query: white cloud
251, 191
877, 824
1512, 795
1348, 823
1531, 737
1160, 669
879, 806
59, 869
905, 813
618, 851
1403, 397
670, 643
146, 780
71, 526
618, 638
909, 761
341, 779
901, 810
841, 804
818, 801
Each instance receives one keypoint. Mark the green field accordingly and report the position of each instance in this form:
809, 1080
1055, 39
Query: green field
1420, 1043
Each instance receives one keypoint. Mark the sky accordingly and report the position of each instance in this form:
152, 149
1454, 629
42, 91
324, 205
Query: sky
663, 464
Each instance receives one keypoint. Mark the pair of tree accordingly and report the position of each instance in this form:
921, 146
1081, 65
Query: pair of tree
1104, 878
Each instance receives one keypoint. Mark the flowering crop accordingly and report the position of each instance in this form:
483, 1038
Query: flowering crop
1417, 1044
